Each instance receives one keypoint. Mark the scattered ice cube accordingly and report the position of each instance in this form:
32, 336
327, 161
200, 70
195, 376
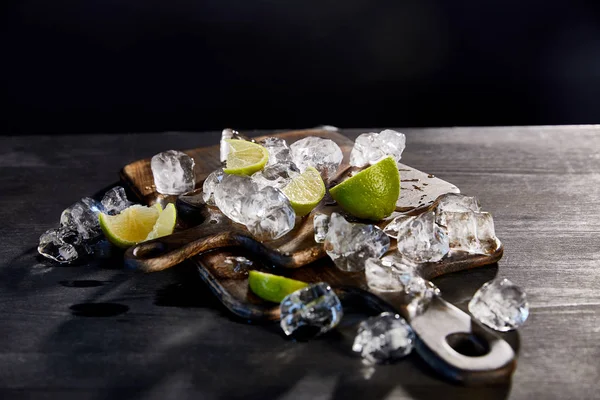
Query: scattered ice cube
239, 264
457, 202
224, 146
385, 337
210, 184
229, 194
278, 149
267, 213
173, 172
472, 232
82, 217
321, 226
115, 201
315, 306
500, 304
323, 154
422, 240
62, 245
277, 175
349, 245
372, 147
397, 224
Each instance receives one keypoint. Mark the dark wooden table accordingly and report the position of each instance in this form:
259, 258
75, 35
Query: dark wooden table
164, 336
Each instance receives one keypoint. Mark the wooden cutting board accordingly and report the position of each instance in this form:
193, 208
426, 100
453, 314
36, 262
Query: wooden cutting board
212, 241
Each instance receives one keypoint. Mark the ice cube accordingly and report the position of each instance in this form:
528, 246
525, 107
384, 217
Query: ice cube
315, 306
173, 172
115, 201
369, 148
277, 175
472, 232
455, 202
210, 184
267, 213
397, 225
383, 338
321, 226
279, 152
500, 304
323, 154
82, 217
349, 245
229, 194
239, 264
62, 245
422, 240
224, 146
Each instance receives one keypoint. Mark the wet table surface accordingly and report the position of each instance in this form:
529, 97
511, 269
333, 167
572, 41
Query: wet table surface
98, 331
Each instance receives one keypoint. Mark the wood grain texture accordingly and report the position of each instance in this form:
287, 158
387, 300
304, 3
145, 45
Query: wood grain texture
541, 184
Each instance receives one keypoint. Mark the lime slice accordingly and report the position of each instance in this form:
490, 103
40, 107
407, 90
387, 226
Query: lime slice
245, 158
371, 193
135, 224
272, 287
165, 223
305, 191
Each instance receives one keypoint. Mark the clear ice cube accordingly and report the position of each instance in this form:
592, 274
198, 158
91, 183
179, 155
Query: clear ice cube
472, 232
229, 194
371, 147
276, 175
422, 240
500, 304
82, 217
62, 245
115, 201
349, 245
279, 152
456, 202
173, 172
323, 154
224, 146
315, 306
397, 224
210, 184
384, 338
321, 226
267, 213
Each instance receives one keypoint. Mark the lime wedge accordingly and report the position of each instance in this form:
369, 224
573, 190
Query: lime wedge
245, 158
305, 191
136, 223
165, 223
272, 287
371, 193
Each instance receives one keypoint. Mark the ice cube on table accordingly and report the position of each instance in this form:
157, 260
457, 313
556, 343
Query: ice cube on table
384, 338
62, 245
276, 175
315, 306
323, 154
455, 202
173, 172
369, 148
470, 231
422, 240
349, 245
115, 201
82, 217
321, 226
279, 151
229, 194
397, 224
267, 213
210, 184
500, 304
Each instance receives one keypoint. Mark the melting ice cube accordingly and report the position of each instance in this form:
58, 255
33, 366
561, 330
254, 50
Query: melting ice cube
500, 304
323, 154
279, 152
82, 217
173, 172
210, 184
321, 226
369, 148
385, 337
422, 240
115, 201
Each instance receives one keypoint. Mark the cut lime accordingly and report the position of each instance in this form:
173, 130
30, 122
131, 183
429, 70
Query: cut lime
371, 193
245, 158
272, 287
165, 223
134, 224
305, 191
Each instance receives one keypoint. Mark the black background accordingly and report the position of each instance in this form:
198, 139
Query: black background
150, 65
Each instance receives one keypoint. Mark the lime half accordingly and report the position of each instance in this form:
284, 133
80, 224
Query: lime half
371, 193
245, 158
165, 223
272, 287
305, 191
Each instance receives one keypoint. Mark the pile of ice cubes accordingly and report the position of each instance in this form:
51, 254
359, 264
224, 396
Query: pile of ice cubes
257, 201
79, 229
